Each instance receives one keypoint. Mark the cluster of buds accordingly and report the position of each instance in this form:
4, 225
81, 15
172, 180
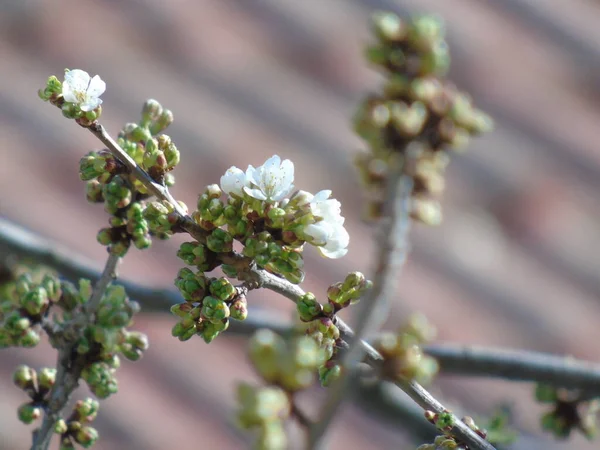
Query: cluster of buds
319, 319
402, 352
569, 412
262, 213
264, 409
107, 338
108, 180
101, 342
210, 304
76, 429
417, 116
37, 385
25, 304
288, 366
444, 422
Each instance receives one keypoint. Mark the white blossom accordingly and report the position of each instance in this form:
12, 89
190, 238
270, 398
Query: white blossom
272, 181
83, 90
327, 232
234, 181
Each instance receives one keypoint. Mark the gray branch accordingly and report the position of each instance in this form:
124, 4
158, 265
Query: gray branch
392, 254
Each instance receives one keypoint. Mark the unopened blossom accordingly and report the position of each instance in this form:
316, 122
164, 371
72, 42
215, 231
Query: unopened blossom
327, 232
272, 181
83, 90
234, 181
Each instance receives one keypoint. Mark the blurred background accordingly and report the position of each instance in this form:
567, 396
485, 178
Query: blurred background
516, 262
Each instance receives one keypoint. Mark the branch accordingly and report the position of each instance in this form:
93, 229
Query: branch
516, 365
392, 254
69, 367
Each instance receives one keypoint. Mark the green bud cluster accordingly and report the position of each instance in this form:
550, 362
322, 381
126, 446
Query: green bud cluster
275, 256
444, 421
76, 429
402, 352
162, 218
198, 255
568, 412
210, 304
108, 183
349, 291
265, 410
326, 335
24, 306
290, 364
416, 104
100, 377
36, 385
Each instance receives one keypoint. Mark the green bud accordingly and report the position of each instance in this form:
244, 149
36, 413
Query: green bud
388, 26
214, 309
191, 285
222, 289
210, 330
25, 378
47, 378
27, 413
86, 436
164, 120
193, 253
328, 375
23, 284
52, 286
445, 421
239, 308
30, 339
151, 112
266, 351
259, 405
61, 427
35, 301
272, 435
309, 308
87, 409
219, 241
117, 194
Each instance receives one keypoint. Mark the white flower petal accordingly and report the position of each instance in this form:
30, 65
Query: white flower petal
90, 104
77, 80
319, 232
79, 88
97, 87
255, 193
337, 244
233, 181
274, 179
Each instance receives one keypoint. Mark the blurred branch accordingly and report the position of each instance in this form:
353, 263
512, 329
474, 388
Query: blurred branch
516, 365
392, 253
69, 364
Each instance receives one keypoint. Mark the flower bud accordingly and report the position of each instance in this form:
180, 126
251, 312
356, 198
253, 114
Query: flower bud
27, 413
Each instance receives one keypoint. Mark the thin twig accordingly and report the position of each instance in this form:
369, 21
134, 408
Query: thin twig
516, 365
391, 256
69, 368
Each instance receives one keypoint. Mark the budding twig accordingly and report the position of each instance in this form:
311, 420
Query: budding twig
69, 368
516, 365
